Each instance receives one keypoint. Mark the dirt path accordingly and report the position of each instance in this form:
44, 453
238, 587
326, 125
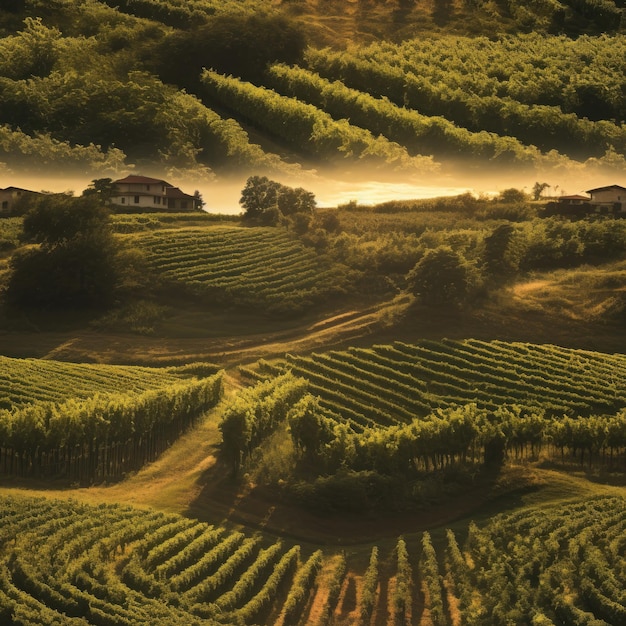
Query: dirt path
227, 350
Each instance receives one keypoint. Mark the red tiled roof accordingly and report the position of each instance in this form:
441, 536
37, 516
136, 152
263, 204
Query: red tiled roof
574, 197
175, 192
141, 180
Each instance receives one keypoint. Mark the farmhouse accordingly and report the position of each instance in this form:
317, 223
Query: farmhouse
143, 193
613, 197
610, 200
574, 200
12, 197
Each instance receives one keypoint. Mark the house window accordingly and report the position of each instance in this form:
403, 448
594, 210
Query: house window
123, 200
147, 187
183, 204
5, 205
136, 199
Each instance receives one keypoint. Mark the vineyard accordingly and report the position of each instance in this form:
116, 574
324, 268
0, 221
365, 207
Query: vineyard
27, 381
379, 84
502, 86
395, 383
90, 423
254, 267
399, 412
448, 99
367, 471
111, 564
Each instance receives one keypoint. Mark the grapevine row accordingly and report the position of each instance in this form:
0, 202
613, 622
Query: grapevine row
104, 436
305, 126
541, 125
530, 566
417, 378
255, 265
421, 134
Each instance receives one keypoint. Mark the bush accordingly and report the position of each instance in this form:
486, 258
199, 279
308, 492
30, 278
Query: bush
440, 277
351, 492
235, 44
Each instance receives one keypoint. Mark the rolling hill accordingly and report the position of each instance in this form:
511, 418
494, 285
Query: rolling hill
274, 424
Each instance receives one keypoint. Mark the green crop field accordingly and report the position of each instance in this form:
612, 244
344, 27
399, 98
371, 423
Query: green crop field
27, 381
407, 412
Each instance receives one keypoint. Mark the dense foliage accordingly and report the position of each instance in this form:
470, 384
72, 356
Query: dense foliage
268, 201
75, 262
494, 240
96, 86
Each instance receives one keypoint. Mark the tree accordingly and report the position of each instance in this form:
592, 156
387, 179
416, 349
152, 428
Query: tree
309, 429
259, 196
500, 257
102, 188
236, 429
538, 189
512, 195
440, 277
74, 263
267, 201
198, 200
297, 200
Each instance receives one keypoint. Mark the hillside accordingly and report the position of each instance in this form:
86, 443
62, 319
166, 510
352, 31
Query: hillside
165, 532
393, 414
